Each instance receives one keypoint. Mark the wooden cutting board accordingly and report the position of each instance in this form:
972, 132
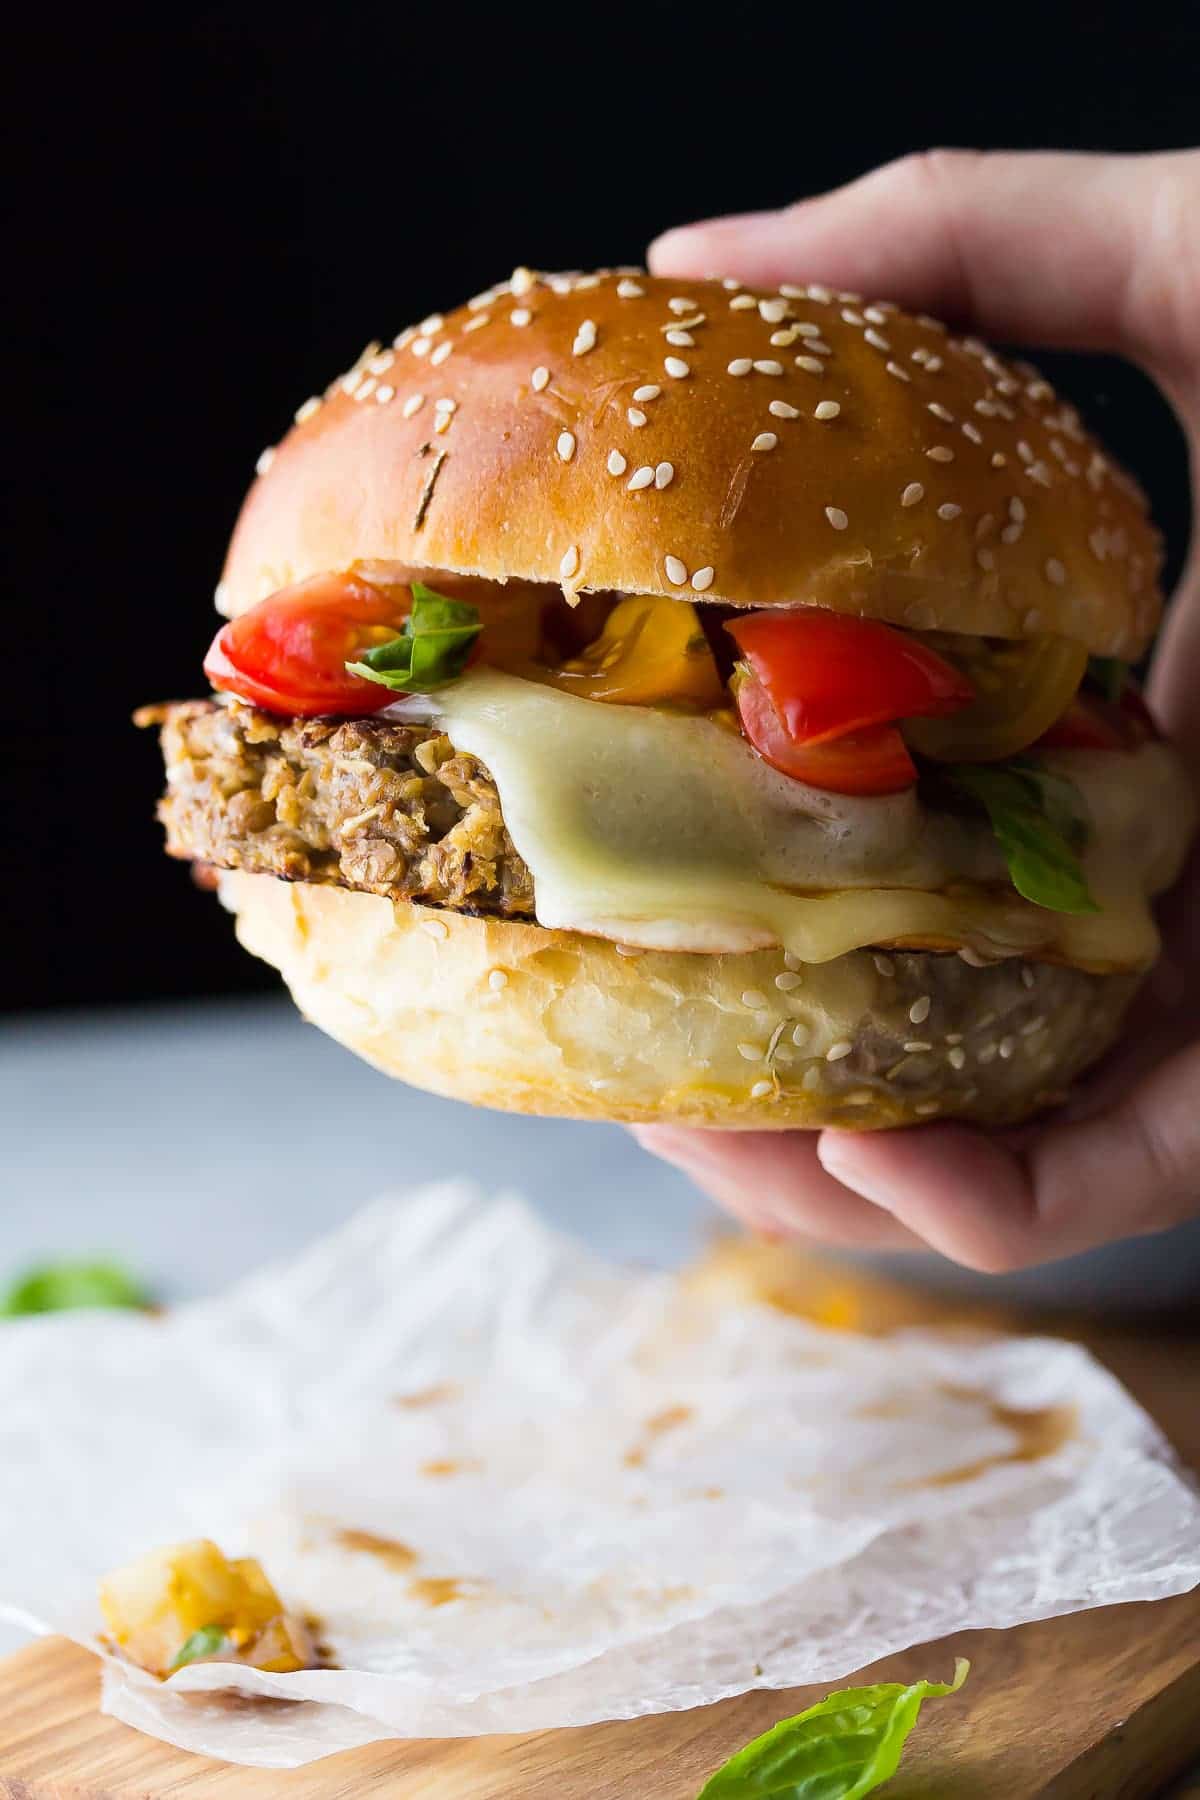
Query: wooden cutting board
1100, 1706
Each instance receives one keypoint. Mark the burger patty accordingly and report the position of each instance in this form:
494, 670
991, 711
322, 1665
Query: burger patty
386, 808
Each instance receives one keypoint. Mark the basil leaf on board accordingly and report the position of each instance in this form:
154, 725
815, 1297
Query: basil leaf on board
840, 1749
1108, 673
206, 1642
431, 649
1039, 822
59, 1287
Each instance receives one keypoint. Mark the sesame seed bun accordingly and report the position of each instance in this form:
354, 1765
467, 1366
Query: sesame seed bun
529, 1020
697, 438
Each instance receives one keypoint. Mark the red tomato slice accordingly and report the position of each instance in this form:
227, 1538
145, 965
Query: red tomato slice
1093, 723
828, 676
288, 653
864, 762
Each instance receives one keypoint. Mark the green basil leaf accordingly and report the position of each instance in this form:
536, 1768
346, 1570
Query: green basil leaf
840, 1749
431, 649
59, 1287
208, 1641
1108, 673
1039, 822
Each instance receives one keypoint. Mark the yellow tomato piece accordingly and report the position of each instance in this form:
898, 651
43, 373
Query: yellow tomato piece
650, 650
1020, 687
153, 1606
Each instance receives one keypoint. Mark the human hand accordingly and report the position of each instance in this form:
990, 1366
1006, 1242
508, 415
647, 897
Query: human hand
1081, 252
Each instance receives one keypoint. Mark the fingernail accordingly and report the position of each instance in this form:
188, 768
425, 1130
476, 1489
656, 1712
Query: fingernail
706, 239
839, 1155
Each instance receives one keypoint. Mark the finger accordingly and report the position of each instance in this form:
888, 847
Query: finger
1086, 251
1132, 1170
772, 1181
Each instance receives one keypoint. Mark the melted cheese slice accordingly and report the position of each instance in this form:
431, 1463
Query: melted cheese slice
667, 832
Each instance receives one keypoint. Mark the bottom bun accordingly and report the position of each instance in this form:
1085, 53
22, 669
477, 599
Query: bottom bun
536, 1021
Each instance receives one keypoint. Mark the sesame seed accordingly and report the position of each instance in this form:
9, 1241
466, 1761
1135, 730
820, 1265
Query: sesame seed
682, 339
664, 474
893, 368
474, 324
826, 409
913, 493
782, 339
971, 431
433, 324
751, 1052
1007, 1046
835, 1052
1011, 534
703, 578
648, 392
445, 405
367, 389
884, 964
741, 365
940, 412
265, 459
1016, 509
1032, 619
821, 294
641, 478
732, 284
761, 1089
676, 367
497, 979
442, 352
806, 328
678, 303
940, 453
812, 365
379, 365
985, 408
384, 394
837, 518
676, 571
999, 460
1055, 572
799, 1035
616, 464
915, 1046
851, 317
818, 346
412, 405
629, 290
986, 559
877, 340
918, 1012
636, 417
1027, 976
766, 440
754, 997
539, 378
932, 365
435, 928
1024, 451
1039, 472
1097, 543
787, 981
306, 411
742, 302
782, 410
773, 312
927, 1108
520, 315
565, 445
766, 365
570, 562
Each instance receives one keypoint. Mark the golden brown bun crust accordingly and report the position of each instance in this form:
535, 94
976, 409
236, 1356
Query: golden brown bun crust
481, 445
529, 1020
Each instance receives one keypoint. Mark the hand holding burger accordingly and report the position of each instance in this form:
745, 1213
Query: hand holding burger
694, 702
1081, 252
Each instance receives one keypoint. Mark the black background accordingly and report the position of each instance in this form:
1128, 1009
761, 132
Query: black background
211, 217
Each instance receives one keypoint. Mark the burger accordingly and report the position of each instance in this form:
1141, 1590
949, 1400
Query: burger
651, 699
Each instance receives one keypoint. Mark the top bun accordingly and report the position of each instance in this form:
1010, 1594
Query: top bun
701, 439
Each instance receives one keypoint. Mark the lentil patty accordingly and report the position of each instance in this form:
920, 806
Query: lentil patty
363, 803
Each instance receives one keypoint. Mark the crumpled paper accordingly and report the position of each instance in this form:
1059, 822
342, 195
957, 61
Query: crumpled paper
621, 1495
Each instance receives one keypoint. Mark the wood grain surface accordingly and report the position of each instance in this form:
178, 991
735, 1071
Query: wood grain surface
1100, 1706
